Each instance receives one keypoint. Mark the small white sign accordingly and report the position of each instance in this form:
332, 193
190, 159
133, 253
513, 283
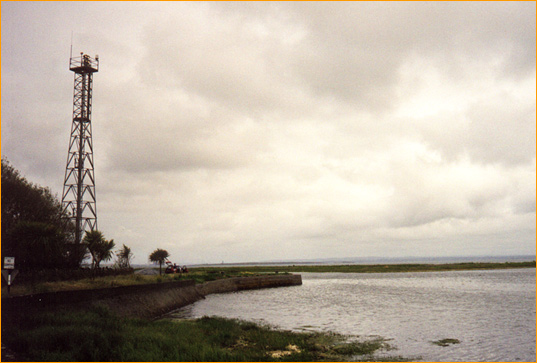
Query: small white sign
9, 263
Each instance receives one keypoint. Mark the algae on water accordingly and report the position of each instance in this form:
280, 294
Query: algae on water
446, 342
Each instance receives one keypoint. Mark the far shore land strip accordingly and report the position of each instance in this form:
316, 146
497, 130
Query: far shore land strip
374, 268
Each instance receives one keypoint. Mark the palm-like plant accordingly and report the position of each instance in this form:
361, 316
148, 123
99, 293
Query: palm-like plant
99, 248
159, 255
105, 251
124, 257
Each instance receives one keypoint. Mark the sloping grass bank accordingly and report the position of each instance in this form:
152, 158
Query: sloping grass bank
99, 335
122, 280
81, 284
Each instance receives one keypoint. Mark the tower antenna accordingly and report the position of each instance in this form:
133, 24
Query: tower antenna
71, 53
78, 197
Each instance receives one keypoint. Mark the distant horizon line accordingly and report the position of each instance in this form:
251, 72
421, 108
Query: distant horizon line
370, 259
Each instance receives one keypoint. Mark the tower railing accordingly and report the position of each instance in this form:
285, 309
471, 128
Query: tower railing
84, 64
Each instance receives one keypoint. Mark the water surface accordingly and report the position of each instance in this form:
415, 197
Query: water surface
491, 313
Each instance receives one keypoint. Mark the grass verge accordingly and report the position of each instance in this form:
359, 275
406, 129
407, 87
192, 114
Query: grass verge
99, 335
122, 280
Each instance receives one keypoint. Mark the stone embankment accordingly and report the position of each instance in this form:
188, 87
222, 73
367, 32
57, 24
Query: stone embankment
145, 301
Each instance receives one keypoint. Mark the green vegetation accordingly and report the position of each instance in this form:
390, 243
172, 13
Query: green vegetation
99, 335
368, 268
446, 342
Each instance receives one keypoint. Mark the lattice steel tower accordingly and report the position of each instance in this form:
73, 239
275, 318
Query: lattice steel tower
78, 197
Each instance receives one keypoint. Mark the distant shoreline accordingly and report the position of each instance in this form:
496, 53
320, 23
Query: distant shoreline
369, 260
372, 268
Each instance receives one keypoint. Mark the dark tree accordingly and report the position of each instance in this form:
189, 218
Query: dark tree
159, 256
34, 229
38, 246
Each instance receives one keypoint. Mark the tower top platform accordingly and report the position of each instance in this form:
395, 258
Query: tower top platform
84, 64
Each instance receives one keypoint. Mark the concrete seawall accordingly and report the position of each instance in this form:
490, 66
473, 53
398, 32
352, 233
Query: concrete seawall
145, 301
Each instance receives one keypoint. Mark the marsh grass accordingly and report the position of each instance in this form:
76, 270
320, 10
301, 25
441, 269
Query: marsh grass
99, 335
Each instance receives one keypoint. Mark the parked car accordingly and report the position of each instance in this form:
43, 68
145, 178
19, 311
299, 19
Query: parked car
174, 269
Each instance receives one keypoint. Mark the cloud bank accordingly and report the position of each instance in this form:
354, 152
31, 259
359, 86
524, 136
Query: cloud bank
261, 131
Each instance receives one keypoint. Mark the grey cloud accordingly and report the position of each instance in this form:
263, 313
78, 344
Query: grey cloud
502, 131
495, 128
224, 62
165, 133
351, 52
354, 50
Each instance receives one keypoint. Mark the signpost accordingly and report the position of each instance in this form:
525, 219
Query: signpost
9, 272
9, 263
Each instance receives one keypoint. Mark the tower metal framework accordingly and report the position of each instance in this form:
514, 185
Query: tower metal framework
78, 197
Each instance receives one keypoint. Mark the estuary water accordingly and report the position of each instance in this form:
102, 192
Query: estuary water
491, 313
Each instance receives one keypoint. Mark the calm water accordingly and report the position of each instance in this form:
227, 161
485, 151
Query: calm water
492, 313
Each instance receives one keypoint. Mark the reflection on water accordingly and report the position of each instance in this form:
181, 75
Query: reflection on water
491, 313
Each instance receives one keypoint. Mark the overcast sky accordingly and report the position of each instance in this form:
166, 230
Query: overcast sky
266, 131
